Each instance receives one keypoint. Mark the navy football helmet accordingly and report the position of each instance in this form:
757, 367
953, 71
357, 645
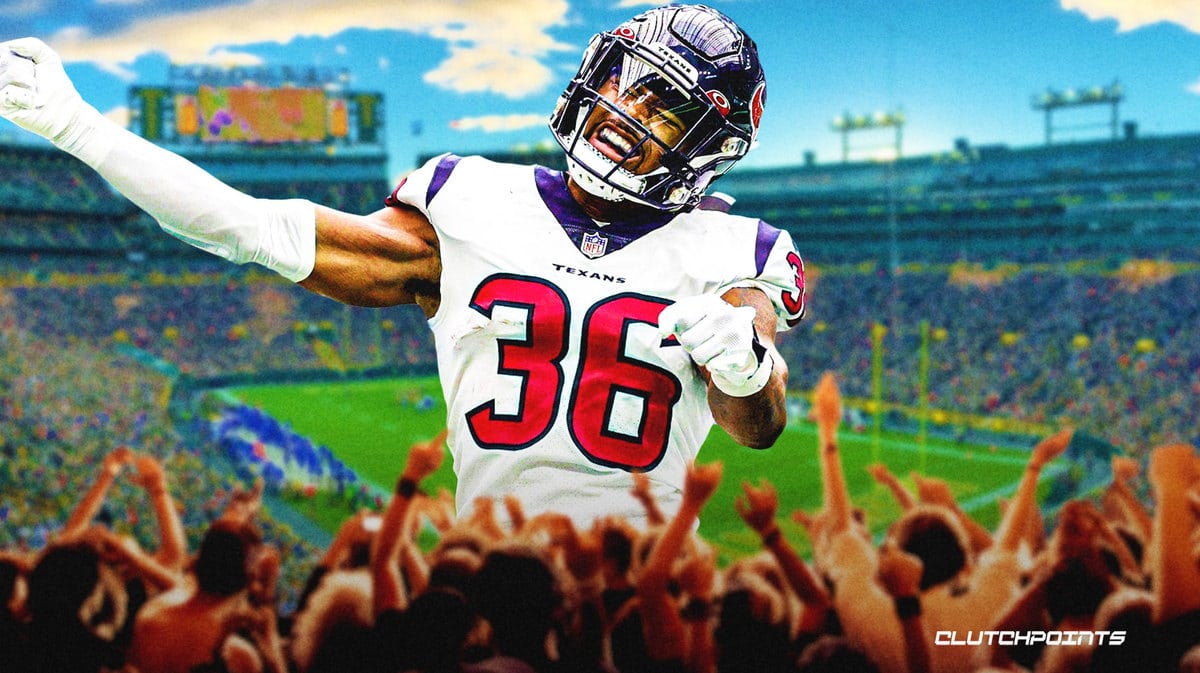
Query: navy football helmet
662, 105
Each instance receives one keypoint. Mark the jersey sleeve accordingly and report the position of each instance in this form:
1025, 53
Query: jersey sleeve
419, 188
779, 272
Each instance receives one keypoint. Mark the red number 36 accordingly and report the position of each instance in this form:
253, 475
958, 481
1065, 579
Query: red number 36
604, 372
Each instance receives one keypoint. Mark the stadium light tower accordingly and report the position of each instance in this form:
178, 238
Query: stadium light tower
1051, 100
847, 123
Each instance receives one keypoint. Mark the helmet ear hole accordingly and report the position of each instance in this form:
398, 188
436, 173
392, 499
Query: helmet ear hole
704, 74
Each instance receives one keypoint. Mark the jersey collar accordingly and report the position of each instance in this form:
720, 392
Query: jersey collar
590, 238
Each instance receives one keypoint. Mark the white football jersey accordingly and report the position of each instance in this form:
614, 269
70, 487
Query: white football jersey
557, 382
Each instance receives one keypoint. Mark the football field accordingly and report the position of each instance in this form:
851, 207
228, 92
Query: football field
370, 424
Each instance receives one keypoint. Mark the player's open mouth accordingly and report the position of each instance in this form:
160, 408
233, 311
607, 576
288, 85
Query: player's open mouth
612, 142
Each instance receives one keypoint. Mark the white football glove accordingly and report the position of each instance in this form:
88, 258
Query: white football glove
719, 337
37, 95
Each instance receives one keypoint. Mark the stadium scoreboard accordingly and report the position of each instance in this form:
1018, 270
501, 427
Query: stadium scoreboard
298, 109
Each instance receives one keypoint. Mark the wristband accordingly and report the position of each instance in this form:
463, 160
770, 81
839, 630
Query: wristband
771, 537
907, 607
406, 488
748, 385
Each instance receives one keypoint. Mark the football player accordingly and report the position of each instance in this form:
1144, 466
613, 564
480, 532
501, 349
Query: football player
587, 324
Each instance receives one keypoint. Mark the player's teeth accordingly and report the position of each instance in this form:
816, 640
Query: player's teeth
613, 138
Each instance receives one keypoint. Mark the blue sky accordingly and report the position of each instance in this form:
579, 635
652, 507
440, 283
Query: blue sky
481, 75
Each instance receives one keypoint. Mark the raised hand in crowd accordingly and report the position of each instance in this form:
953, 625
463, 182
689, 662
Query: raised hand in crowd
757, 507
424, 458
91, 502
172, 551
900, 574
666, 638
885, 477
642, 491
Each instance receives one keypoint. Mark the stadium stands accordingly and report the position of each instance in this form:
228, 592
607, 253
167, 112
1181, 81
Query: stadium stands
1060, 286
52, 203
1068, 216
1135, 196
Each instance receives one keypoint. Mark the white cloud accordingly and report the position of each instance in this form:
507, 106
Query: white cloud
1194, 87
494, 46
498, 123
1133, 15
490, 68
229, 59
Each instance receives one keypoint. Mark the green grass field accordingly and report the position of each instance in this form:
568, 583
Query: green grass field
368, 428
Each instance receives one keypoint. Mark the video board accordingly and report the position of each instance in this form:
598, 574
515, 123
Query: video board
255, 115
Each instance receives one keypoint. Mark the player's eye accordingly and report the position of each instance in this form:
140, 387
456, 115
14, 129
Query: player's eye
666, 119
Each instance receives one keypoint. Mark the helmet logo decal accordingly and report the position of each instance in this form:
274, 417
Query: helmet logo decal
756, 108
720, 100
625, 32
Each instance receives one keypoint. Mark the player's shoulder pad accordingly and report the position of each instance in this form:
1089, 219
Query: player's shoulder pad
718, 201
432, 175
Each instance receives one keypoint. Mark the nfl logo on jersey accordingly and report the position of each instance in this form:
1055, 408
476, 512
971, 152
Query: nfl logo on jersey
593, 245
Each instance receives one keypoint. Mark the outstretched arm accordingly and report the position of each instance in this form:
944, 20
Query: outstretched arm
382, 259
172, 548
757, 507
1132, 510
1023, 507
125, 551
885, 477
1173, 472
663, 627
641, 490
387, 258
424, 458
827, 408
91, 502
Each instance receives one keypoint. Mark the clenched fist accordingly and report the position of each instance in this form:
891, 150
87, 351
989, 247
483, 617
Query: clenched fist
37, 95
719, 337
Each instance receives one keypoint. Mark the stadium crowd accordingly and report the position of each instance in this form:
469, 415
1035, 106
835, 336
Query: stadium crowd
1110, 585
1045, 345
63, 410
208, 320
1042, 348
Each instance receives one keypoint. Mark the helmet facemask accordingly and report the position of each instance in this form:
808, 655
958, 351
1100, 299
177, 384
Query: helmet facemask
637, 124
